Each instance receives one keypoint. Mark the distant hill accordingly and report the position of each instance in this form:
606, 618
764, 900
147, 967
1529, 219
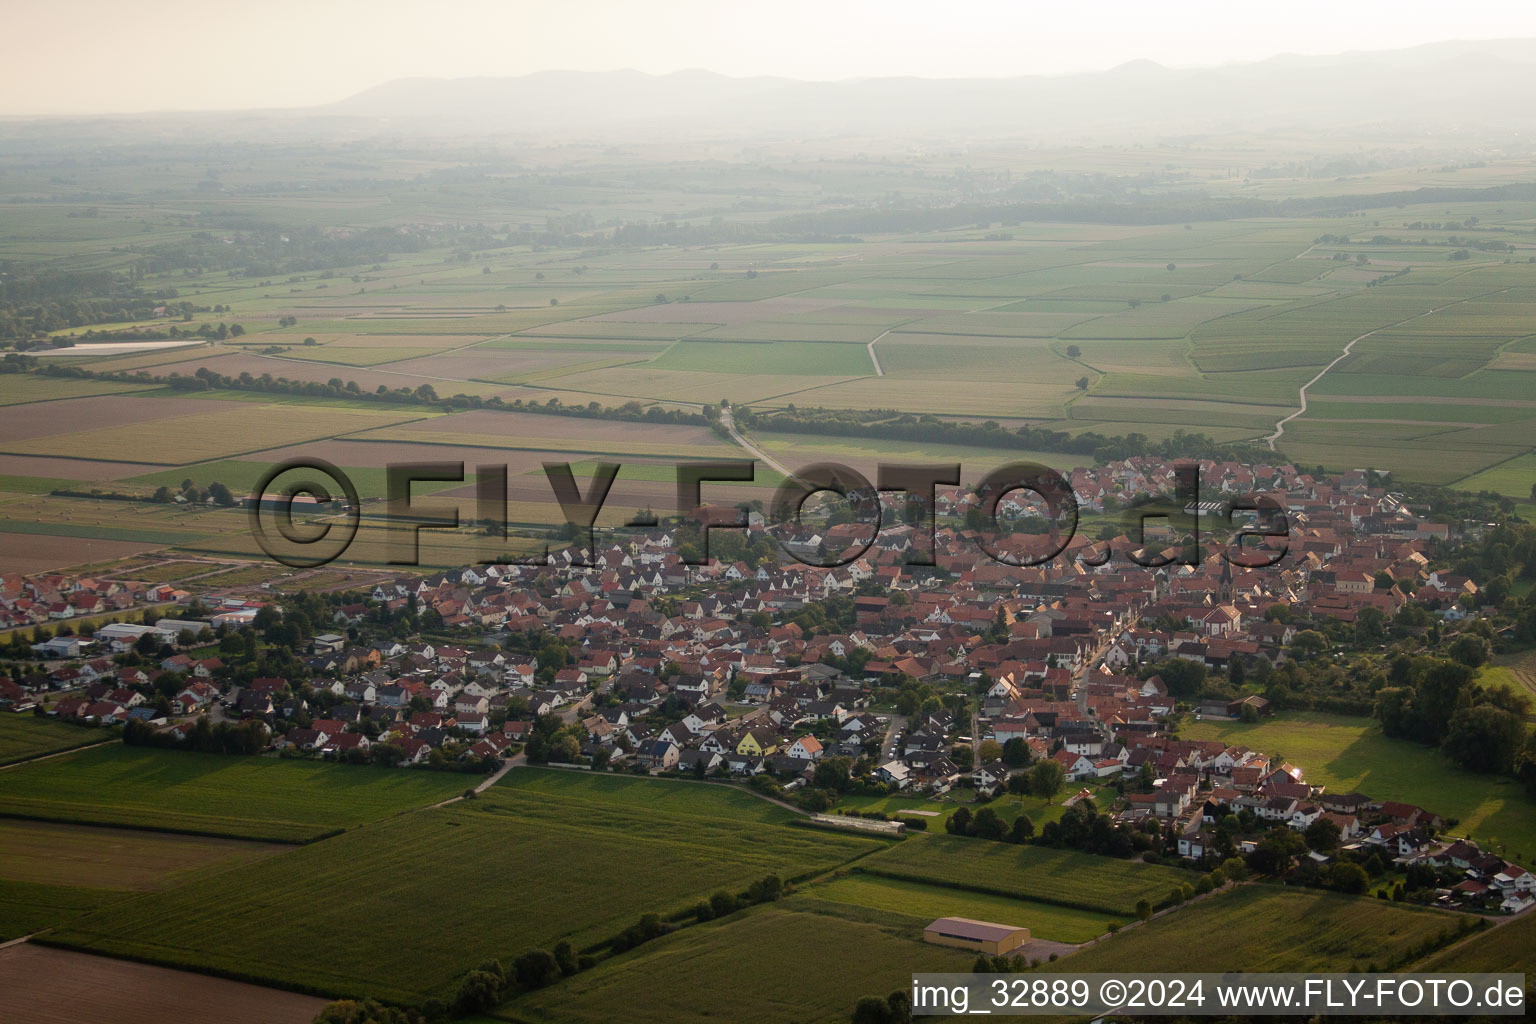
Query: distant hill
1429, 88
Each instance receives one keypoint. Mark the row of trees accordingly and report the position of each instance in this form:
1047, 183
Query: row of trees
892, 424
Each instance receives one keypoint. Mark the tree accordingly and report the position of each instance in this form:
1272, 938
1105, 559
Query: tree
1347, 876
1082, 383
1276, 851
480, 990
1308, 643
872, 1010
1172, 267
1322, 835
1143, 910
1485, 738
221, 495
1016, 753
1073, 351
1023, 829
1470, 649
1046, 778
366, 1011
535, 969
959, 823
987, 825
1183, 677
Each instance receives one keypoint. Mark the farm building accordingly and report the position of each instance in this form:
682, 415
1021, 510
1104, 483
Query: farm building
982, 936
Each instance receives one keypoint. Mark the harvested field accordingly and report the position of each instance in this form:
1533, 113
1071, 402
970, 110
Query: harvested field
35, 552
227, 428
366, 378
20, 388
103, 989
104, 412
45, 466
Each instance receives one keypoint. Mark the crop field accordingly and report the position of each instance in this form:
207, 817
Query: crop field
769, 966
23, 389
774, 358
91, 856
923, 903
19, 423
1509, 947
978, 327
1062, 877
1514, 478
528, 863
28, 907
232, 429
26, 736
1266, 928
1351, 755
208, 794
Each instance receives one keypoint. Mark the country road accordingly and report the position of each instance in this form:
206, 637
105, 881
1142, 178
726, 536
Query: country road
729, 422
1280, 427
879, 370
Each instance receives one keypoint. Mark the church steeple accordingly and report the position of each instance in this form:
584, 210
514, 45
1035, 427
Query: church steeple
1225, 587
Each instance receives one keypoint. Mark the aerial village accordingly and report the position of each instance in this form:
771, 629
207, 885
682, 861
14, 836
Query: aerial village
905, 676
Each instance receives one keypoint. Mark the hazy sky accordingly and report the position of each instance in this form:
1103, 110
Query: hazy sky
98, 56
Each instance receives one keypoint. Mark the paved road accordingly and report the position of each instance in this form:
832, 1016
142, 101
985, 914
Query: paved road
893, 728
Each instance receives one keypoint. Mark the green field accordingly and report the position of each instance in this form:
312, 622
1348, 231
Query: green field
923, 903
1509, 947
769, 966
1007, 807
27, 907
1062, 877
400, 908
209, 794
23, 737
1265, 928
1516, 671
1350, 754
97, 857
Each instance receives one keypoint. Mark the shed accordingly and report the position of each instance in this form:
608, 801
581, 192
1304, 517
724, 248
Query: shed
982, 936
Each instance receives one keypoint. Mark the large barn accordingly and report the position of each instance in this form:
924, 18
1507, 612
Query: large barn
982, 936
